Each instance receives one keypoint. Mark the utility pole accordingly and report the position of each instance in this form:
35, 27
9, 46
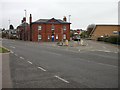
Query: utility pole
9, 29
25, 25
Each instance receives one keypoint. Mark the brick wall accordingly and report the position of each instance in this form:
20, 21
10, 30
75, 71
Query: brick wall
46, 30
102, 30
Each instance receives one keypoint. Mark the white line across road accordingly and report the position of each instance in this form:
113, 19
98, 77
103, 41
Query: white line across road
12, 47
11, 52
61, 79
108, 65
21, 58
16, 55
42, 69
29, 62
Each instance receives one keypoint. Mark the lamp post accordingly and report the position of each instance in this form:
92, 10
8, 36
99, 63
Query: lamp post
9, 29
25, 24
69, 18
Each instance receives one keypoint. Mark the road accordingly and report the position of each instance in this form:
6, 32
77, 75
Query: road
35, 65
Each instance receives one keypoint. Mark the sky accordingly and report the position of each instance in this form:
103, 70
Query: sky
83, 12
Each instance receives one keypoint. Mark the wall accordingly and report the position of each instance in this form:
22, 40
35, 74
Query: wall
104, 30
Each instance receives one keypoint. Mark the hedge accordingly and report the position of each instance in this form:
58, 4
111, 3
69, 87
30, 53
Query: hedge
111, 39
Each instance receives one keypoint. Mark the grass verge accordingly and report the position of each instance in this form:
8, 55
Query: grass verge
3, 50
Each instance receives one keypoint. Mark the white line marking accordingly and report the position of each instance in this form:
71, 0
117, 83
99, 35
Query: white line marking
42, 69
104, 47
29, 62
11, 52
61, 79
21, 58
12, 47
16, 55
107, 65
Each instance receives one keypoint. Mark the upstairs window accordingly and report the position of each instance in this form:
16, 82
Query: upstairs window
64, 27
39, 27
52, 27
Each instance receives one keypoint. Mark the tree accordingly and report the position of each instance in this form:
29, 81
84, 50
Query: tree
90, 28
11, 27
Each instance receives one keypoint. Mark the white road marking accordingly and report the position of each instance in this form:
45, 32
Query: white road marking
11, 52
61, 79
42, 69
16, 55
107, 65
29, 62
104, 47
21, 58
12, 47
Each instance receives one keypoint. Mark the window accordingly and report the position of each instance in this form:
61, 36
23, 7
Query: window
39, 37
56, 36
115, 32
52, 27
64, 36
48, 37
64, 27
40, 27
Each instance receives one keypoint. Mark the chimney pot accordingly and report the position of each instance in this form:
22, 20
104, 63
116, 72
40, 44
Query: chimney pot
65, 19
30, 18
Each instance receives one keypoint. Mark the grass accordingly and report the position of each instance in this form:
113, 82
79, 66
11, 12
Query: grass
3, 50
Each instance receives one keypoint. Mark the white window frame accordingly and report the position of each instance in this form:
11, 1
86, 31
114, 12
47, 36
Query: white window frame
64, 28
52, 27
39, 35
39, 27
57, 37
64, 36
48, 37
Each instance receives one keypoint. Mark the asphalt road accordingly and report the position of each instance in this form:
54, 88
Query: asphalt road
34, 65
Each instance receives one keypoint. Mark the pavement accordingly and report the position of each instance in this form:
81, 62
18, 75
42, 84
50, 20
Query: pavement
47, 65
6, 81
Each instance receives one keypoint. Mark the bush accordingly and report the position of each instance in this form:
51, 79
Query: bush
111, 39
114, 39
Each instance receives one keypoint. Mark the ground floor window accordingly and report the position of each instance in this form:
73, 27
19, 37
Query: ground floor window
57, 37
39, 37
64, 36
48, 37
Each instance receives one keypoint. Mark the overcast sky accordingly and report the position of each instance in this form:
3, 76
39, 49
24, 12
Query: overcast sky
83, 12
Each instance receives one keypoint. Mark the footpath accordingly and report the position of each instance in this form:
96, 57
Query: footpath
5, 76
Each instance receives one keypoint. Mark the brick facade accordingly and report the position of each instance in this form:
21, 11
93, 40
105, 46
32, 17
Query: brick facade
104, 30
46, 31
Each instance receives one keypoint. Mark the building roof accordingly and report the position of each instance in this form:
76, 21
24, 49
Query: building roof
49, 21
23, 24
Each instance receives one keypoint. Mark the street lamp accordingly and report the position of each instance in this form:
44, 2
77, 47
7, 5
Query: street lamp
69, 17
25, 24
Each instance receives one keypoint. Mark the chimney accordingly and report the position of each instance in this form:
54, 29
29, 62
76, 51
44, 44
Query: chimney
65, 19
24, 19
30, 20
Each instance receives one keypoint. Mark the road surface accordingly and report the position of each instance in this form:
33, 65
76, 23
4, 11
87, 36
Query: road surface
35, 65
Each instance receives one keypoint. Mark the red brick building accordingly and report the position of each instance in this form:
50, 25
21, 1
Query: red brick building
44, 30
50, 30
104, 30
23, 30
